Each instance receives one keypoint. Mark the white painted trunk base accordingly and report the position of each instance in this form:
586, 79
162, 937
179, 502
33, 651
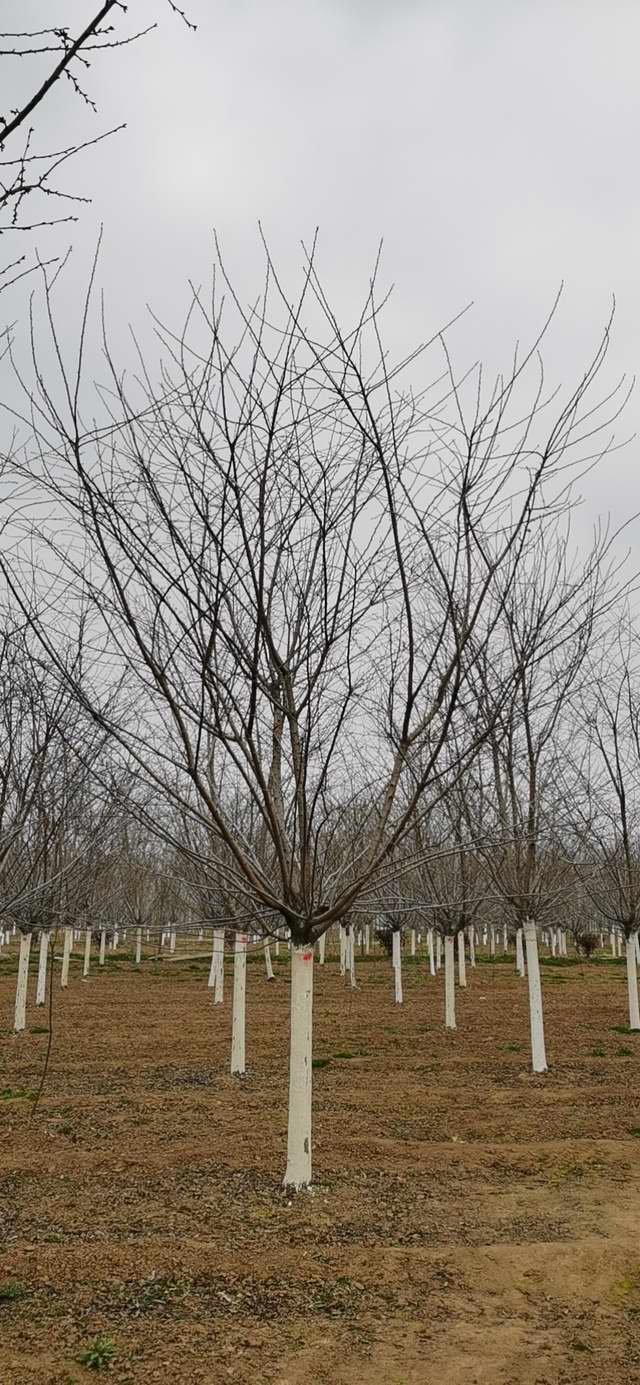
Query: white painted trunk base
536, 1019
462, 961
66, 954
519, 953
238, 1014
138, 946
396, 958
20, 1016
218, 966
103, 947
41, 988
449, 984
632, 983
268, 963
87, 953
298, 1171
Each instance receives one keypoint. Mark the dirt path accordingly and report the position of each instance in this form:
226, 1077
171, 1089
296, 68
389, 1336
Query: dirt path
470, 1225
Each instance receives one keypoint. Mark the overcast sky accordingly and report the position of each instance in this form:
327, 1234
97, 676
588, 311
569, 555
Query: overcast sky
492, 144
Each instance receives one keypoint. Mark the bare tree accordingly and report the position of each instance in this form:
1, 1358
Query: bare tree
290, 569
608, 855
550, 617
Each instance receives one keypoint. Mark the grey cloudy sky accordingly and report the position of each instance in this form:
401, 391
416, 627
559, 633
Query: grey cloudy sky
491, 143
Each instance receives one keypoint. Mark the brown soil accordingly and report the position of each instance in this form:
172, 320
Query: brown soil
469, 1225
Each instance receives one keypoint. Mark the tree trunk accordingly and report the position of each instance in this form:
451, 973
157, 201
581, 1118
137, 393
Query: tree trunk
103, 945
322, 948
538, 1053
432, 960
41, 988
87, 953
138, 946
462, 961
472, 946
352, 960
449, 984
267, 962
397, 967
20, 1017
520, 953
413, 942
298, 1170
218, 972
632, 983
66, 953
238, 1016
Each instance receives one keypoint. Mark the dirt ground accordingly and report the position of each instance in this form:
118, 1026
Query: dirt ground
469, 1224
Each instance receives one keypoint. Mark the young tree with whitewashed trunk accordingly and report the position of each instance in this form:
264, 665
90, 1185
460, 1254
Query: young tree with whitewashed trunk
554, 611
285, 587
608, 850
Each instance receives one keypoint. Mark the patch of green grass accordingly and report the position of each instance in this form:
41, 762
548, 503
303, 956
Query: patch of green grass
98, 1355
16, 1094
39, 1029
628, 1287
513, 1048
623, 1052
635, 1130
345, 1055
598, 1052
320, 1062
624, 1029
11, 1289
